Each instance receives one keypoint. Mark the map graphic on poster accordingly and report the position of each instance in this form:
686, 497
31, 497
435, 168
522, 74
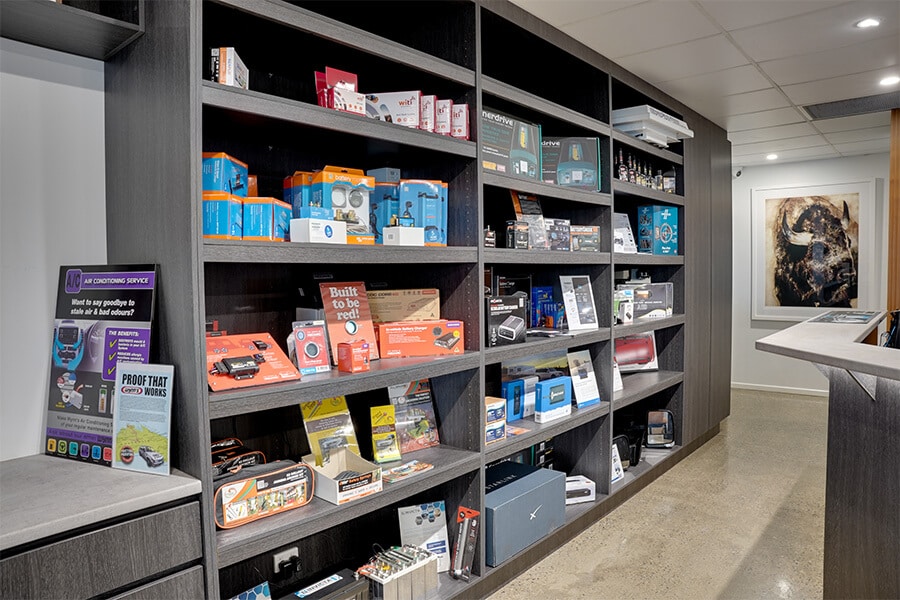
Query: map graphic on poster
103, 316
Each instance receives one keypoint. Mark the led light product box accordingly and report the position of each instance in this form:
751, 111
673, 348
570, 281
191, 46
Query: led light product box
404, 236
584, 238
553, 399
658, 229
443, 110
266, 219
651, 300
318, 231
505, 320
419, 304
223, 216
427, 112
523, 504
459, 121
510, 146
571, 162
346, 192
384, 204
402, 108
420, 338
420, 206
558, 234
224, 173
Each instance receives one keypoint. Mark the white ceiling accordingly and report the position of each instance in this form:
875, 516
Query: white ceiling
750, 65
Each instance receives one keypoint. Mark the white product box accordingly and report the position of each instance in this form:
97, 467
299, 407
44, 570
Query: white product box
427, 114
580, 489
229, 69
341, 491
319, 231
443, 111
459, 121
403, 236
402, 108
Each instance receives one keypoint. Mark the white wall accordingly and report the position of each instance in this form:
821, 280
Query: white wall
750, 367
52, 213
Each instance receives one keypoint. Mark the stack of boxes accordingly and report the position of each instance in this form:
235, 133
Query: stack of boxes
494, 420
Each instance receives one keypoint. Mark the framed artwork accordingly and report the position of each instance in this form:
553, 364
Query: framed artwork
813, 249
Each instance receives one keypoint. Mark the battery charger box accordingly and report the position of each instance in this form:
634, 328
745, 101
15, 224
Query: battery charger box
510, 146
571, 162
224, 173
421, 304
420, 338
658, 229
346, 192
650, 300
420, 206
402, 108
553, 399
298, 192
506, 320
318, 231
223, 216
266, 219
384, 203
523, 504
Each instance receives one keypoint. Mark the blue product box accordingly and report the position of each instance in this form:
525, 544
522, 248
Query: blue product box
445, 204
523, 504
571, 162
553, 399
347, 193
298, 192
657, 229
223, 173
514, 392
312, 212
541, 297
383, 204
420, 203
223, 216
385, 175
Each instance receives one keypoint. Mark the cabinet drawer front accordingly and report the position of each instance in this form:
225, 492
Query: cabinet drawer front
187, 584
102, 560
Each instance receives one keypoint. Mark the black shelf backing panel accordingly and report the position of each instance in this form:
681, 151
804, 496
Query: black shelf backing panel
543, 431
73, 29
625, 96
540, 345
453, 41
265, 535
645, 325
642, 385
629, 192
672, 154
120, 10
546, 191
513, 55
283, 46
235, 251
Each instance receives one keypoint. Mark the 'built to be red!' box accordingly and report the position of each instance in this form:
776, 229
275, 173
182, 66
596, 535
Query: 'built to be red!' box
420, 338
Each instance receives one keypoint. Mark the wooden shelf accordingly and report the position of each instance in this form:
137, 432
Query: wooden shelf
643, 385
641, 258
645, 325
625, 189
540, 345
647, 147
228, 251
650, 458
509, 256
532, 186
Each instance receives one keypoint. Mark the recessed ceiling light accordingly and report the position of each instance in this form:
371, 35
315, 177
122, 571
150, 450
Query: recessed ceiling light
868, 23
893, 79
771, 156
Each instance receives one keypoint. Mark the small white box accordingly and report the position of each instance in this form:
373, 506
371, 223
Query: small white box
443, 112
341, 491
426, 120
402, 108
459, 121
403, 236
318, 231
580, 489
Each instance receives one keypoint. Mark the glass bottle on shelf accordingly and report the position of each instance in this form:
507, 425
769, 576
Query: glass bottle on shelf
632, 175
669, 182
658, 180
623, 168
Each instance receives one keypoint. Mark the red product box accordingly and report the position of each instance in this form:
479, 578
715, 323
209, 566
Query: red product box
353, 357
420, 338
338, 90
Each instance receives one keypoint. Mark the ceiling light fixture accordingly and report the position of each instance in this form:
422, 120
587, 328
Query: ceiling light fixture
771, 156
866, 23
893, 79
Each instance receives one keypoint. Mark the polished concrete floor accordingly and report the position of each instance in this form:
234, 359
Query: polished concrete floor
741, 517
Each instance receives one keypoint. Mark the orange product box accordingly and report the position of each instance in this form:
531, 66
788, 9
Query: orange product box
420, 338
252, 185
353, 357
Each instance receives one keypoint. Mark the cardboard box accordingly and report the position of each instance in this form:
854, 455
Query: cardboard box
443, 111
623, 306
553, 399
420, 338
384, 203
505, 320
510, 146
223, 216
459, 121
514, 393
658, 229
523, 504
385, 175
420, 201
353, 357
517, 235
252, 185
427, 113
337, 90
266, 219
494, 409
318, 231
346, 192
298, 193
422, 304
584, 238
341, 491
404, 236
571, 162
494, 432
224, 173
651, 300
580, 489
228, 68
558, 234
402, 108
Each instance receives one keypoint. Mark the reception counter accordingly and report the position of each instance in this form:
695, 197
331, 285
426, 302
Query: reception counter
862, 489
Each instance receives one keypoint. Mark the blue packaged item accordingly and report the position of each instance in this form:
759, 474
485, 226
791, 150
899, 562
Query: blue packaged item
553, 399
385, 175
420, 206
514, 392
298, 192
223, 173
383, 204
222, 216
657, 229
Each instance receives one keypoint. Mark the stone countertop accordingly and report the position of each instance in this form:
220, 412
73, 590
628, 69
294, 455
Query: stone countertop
41, 496
835, 345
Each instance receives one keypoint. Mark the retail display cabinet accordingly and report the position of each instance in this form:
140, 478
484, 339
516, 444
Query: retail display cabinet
162, 112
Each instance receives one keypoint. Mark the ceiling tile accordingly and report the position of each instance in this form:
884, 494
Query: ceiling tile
859, 135
787, 156
707, 55
870, 147
807, 141
764, 118
571, 11
817, 31
749, 102
737, 15
727, 82
642, 27
858, 85
873, 54
879, 119
767, 134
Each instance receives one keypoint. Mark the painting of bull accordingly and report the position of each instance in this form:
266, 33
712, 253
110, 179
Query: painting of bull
812, 251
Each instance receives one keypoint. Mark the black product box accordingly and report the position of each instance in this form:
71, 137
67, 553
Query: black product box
542, 453
651, 300
571, 162
522, 505
506, 320
510, 146
558, 233
517, 235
